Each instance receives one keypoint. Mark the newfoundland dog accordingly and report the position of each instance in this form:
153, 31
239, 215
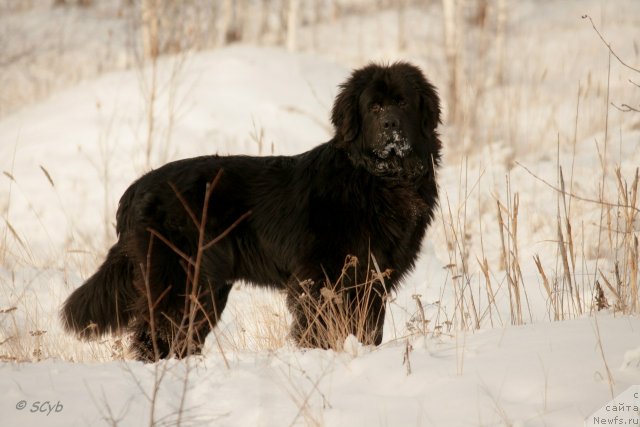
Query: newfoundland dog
346, 218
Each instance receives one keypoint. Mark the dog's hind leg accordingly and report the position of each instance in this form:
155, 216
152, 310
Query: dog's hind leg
162, 285
183, 333
182, 290
177, 316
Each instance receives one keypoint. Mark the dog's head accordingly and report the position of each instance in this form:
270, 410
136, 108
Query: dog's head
386, 118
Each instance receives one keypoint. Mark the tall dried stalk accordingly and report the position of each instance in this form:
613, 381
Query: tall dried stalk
340, 309
510, 255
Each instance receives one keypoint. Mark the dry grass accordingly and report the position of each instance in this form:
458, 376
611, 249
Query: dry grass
499, 257
501, 262
341, 308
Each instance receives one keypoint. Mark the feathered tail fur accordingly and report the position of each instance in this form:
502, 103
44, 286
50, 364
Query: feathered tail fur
101, 305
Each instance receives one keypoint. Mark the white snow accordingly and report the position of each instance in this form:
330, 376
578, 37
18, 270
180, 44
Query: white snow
67, 159
543, 374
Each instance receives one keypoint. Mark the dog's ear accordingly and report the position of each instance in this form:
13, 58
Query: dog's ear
430, 106
429, 100
345, 114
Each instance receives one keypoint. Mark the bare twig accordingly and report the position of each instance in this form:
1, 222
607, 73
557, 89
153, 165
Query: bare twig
576, 196
227, 231
608, 45
625, 108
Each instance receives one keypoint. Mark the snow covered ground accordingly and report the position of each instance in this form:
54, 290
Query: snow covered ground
67, 159
543, 374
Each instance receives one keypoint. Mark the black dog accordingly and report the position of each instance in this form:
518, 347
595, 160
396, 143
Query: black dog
282, 222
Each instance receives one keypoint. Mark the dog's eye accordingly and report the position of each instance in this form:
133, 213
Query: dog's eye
375, 107
401, 102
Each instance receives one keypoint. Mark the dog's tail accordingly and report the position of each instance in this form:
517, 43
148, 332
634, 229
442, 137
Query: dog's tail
101, 305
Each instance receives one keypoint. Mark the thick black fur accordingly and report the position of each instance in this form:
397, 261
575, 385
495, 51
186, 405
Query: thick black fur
371, 190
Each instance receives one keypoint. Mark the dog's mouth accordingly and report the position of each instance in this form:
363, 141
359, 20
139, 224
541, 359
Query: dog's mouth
393, 156
390, 152
392, 144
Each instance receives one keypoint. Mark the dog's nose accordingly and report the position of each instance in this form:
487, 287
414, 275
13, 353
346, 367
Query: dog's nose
390, 122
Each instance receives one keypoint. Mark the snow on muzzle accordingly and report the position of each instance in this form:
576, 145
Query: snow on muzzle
394, 143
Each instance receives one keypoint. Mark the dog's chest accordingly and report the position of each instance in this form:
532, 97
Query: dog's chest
399, 202
395, 216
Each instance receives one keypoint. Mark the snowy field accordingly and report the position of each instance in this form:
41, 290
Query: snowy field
522, 310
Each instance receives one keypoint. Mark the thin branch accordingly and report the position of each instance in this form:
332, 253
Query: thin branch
171, 245
185, 204
208, 191
227, 231
625, 108
566, 193
197, 303
609, 45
